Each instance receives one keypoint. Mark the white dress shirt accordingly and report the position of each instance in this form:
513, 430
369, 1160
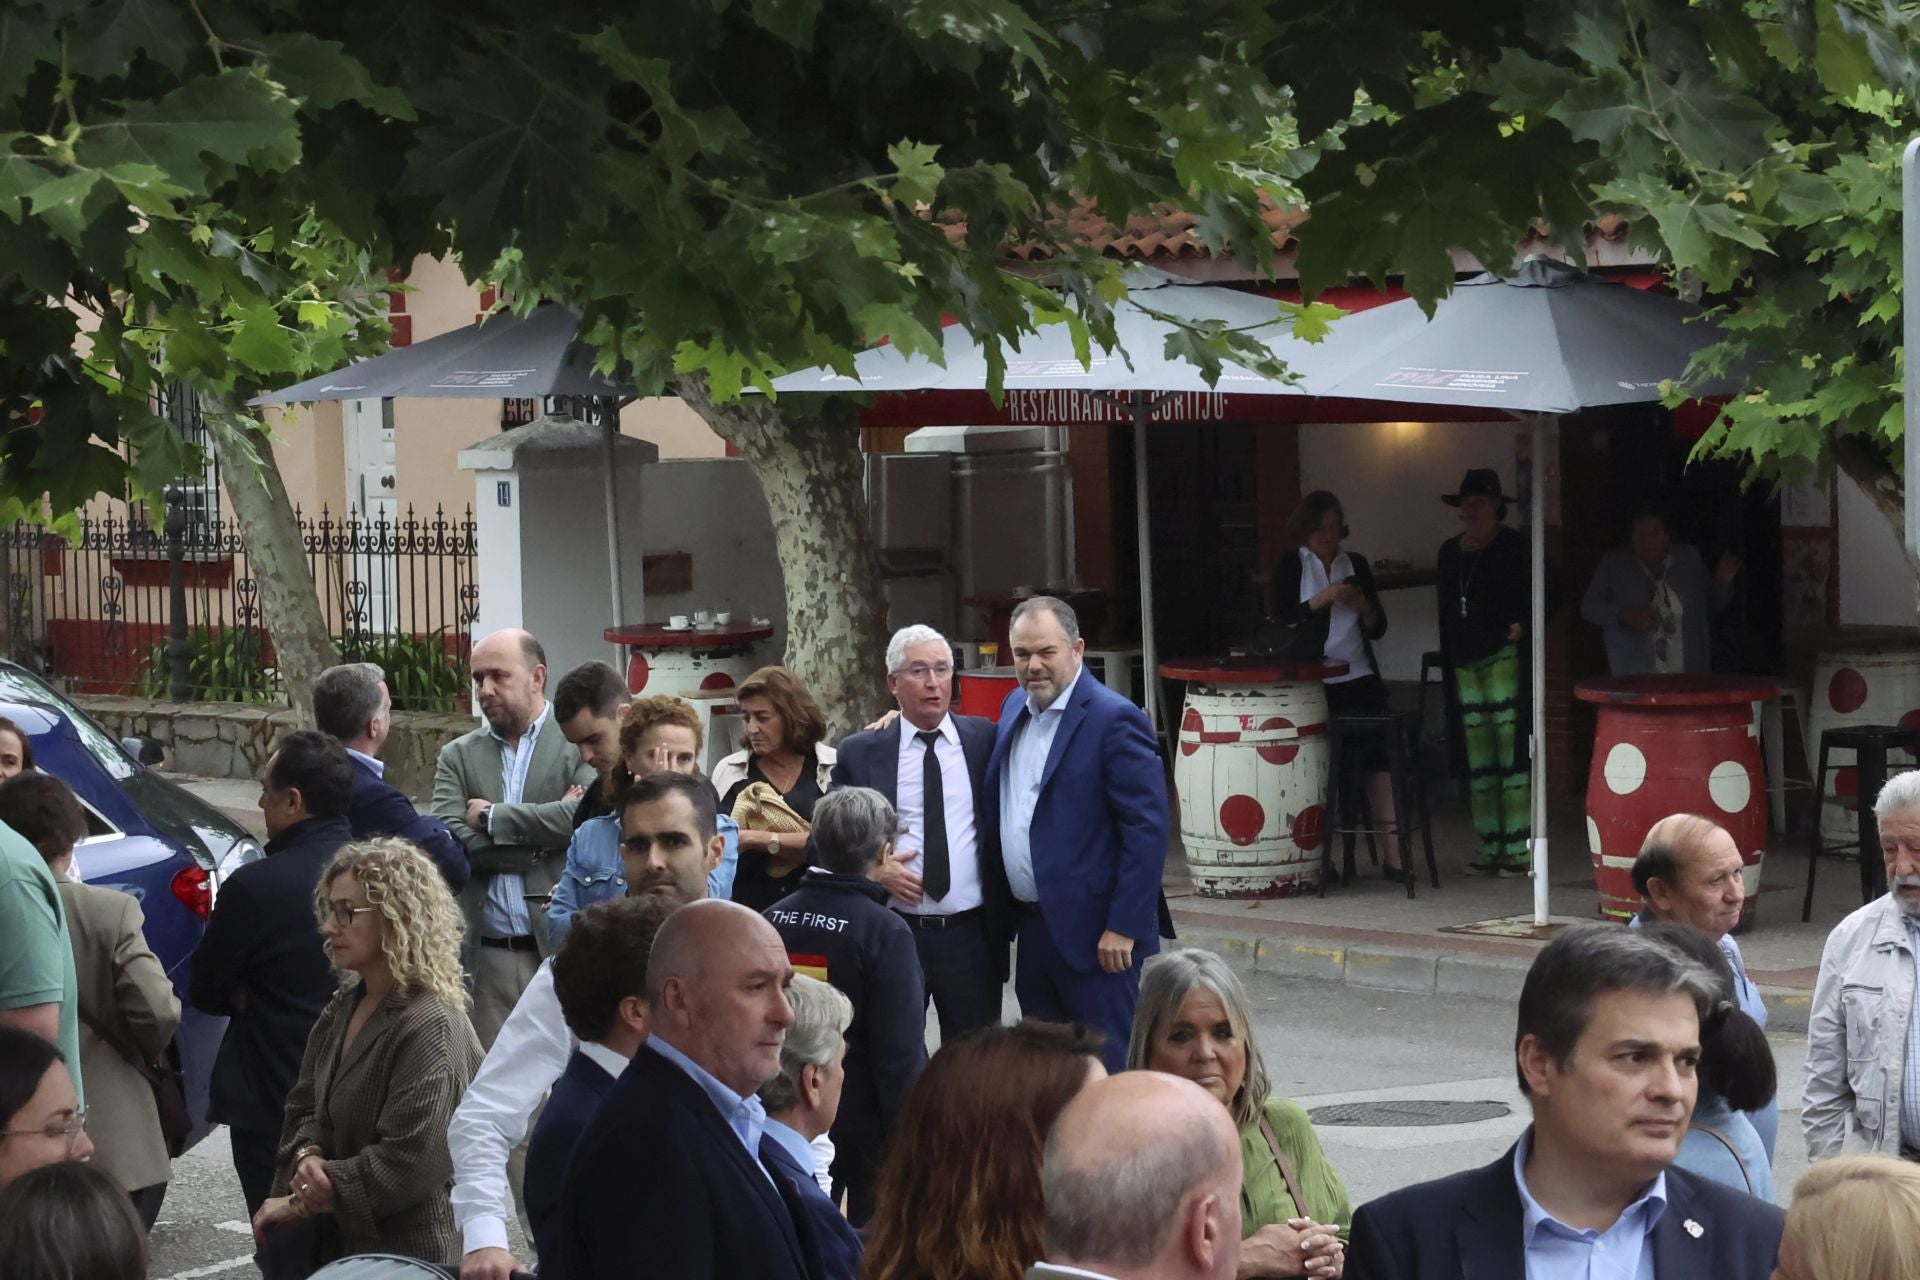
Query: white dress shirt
1020, 787
374, 763
504, 914
956, 790
527, 1057
1345, 643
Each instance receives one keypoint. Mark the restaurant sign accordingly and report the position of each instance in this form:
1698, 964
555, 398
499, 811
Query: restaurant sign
1048, 407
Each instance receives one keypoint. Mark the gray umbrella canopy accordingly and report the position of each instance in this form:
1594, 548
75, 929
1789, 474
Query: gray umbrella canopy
504, 357
1045, 361
1548, 339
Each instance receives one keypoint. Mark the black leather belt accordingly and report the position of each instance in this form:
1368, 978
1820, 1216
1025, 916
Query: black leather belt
934, 923
520, 942
1025, 908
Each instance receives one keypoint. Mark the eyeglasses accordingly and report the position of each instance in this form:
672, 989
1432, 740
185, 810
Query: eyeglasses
922, 671
344, 912
67, 1130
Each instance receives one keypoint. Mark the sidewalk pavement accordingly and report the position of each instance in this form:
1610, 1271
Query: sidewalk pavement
1472, 936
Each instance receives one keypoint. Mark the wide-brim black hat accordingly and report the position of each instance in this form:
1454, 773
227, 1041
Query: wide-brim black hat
1480, 482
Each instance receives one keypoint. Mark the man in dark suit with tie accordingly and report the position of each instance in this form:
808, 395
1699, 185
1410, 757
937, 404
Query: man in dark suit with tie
1606, 1047
672, 1181
353, 706
945, 877
1082, 800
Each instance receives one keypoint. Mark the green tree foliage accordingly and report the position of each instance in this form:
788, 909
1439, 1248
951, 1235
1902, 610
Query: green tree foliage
1754, 144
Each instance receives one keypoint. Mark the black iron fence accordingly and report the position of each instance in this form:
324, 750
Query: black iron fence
97, 610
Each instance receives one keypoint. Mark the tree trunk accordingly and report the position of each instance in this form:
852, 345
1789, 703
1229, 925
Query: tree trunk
1868, 467
812, 473
302, 643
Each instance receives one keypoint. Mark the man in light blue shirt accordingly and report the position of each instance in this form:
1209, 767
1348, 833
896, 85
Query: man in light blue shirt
674, 1162
1607, 1044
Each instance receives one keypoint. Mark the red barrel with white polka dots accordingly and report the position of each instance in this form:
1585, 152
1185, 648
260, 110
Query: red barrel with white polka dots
1250, 775
1667, 744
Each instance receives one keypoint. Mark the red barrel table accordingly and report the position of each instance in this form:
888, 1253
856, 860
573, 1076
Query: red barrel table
688, 660
1669, 744
983, 690
1251, 774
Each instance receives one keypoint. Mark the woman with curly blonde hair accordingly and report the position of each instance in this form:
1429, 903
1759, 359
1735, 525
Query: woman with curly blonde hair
363, 1164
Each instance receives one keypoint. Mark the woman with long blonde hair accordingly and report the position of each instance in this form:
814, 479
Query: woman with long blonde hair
1854, 1218
363, 1164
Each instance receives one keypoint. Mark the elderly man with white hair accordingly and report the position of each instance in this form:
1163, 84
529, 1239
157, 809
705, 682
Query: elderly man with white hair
801, 1104
945, 877
1863, 1035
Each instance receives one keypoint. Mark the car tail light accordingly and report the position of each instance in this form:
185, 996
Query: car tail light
194, 887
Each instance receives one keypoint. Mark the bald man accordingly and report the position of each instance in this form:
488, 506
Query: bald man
1142, 1182
672, 1179
507, 791
1689, 871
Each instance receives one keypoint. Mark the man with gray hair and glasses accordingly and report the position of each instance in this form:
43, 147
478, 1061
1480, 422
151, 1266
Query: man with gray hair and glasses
1141, 1181
837, 928
353, 706
1606, 1047
801, 1104
1863, 1033
945, 877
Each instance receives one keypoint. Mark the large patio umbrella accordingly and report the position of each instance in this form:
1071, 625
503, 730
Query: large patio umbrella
503, 357
1136, 375
1548, 340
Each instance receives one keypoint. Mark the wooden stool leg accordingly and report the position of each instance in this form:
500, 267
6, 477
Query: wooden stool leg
1398, 780
1813, 835
1330, 807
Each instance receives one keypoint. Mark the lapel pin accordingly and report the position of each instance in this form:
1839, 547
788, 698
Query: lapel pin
1693, 1228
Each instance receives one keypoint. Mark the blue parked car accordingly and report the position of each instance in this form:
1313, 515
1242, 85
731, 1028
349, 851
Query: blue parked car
146, 836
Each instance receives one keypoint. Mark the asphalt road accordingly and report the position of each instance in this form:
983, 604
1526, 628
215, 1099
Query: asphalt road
1324, 1044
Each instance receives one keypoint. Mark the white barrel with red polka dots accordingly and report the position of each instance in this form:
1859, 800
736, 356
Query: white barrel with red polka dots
1862, 676
1251, 778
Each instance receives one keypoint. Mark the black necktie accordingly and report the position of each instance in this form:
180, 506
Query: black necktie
935, 872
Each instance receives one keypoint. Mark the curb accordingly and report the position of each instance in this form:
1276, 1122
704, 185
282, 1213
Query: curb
1417, 970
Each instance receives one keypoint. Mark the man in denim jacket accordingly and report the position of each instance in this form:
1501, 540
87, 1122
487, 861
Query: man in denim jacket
660, 734
1863, 1063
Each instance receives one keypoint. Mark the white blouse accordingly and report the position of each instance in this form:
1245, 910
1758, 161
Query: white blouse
1344, 641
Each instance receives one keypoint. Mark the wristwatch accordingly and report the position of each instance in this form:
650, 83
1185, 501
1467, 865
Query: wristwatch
486, 819
773, 844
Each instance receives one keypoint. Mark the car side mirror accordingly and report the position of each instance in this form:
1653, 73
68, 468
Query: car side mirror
147, 751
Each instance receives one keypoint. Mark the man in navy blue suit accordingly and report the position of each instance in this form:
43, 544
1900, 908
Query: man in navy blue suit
671, 1180
352, 705
600, 979
1083, 830
945, 877
802, 1102
1607, 1044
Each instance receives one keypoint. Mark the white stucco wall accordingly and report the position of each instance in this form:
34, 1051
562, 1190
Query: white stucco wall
1876, 586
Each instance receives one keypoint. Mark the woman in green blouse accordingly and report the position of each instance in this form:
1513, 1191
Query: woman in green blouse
1193, 1020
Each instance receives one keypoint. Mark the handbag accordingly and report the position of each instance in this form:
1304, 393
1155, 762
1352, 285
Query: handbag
163, 1078
1300, 641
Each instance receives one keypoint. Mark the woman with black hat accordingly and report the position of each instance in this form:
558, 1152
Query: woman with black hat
1485, 581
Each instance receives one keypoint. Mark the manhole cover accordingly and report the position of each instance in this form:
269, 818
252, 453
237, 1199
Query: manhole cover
1407, 1114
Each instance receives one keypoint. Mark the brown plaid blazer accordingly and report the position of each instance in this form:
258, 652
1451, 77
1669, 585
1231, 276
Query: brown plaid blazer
378, 1112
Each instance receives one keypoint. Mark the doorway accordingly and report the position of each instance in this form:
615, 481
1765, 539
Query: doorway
371, 594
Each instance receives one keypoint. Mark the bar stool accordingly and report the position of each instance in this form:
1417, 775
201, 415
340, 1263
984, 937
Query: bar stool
1432, 661
1869, 744
1398, 732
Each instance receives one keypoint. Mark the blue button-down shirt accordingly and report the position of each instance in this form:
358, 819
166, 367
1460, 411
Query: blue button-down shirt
1556, 1251
374, 763
745, 1116
505, 914
1910, 1076
1020, 788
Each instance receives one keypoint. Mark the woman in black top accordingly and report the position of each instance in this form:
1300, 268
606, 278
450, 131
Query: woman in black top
784, 751
1326, 595
1485, 584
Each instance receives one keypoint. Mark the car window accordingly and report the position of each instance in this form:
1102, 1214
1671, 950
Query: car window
18, 685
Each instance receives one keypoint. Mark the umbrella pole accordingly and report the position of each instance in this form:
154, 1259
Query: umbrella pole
1142, 407
609, 416
1537, 518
